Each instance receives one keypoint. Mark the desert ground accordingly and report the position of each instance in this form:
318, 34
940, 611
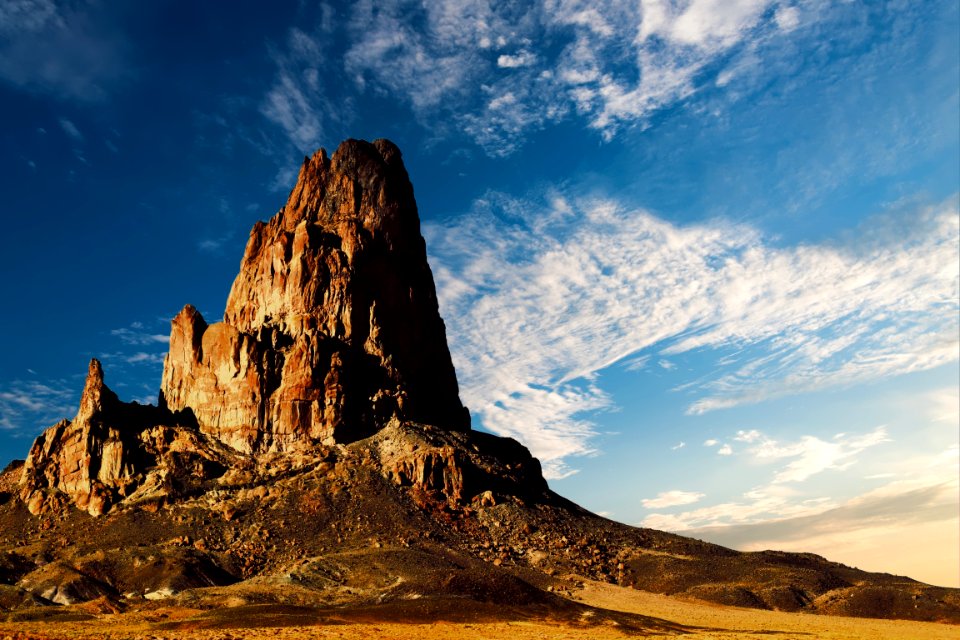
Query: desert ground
658, 616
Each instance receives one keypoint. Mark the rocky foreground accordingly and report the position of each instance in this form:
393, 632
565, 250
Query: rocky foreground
309, 457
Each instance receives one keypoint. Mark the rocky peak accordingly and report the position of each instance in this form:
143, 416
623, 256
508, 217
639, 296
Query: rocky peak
87, 460
332, 326
331, 335
96, 395
363, 182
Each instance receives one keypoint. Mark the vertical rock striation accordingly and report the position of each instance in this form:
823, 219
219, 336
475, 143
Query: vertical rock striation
332, 327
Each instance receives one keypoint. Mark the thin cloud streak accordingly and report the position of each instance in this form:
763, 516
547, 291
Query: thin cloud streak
136, 334
573, 288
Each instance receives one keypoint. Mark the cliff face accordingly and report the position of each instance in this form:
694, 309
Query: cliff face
331, 327
331, 334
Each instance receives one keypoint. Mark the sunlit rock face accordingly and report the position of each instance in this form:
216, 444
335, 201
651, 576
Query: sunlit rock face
332, 327
113, 451
331, 334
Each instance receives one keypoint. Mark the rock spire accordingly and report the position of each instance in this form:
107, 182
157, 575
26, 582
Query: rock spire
332, 327
331, 334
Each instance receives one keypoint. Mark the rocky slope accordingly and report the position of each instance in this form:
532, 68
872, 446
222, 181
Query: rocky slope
311, 450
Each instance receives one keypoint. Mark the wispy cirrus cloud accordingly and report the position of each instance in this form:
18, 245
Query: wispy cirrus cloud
797, 462
886, 505
500, 71
574, 287
137, 334
26, 405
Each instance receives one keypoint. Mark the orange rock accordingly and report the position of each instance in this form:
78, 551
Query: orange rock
331, 333
331, 327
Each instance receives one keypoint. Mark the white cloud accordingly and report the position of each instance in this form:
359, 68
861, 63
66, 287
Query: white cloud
672, 499
636, 363
725, 450
710, 443
574, 287
612, 62
787, 18
136, 358
679, 445
289, 106
143, 357
712, 25
811, 455
520, 59
215, 245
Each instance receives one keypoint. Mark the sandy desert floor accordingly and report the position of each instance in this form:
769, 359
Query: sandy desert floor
699, 620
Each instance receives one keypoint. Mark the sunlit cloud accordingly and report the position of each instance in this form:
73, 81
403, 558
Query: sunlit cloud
574, 287
672, 499
805, 457
945, 406
860, 531
811, 455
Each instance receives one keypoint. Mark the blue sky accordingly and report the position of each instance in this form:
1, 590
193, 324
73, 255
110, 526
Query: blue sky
700, 256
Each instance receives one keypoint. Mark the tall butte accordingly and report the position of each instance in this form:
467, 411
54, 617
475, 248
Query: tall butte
331, 333
331, 327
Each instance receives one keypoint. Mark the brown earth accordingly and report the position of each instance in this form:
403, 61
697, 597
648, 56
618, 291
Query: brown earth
607, 612
337, 537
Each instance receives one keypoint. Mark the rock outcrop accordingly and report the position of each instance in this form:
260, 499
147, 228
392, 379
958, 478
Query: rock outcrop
331, 334
84, 459
113, 451
332, 326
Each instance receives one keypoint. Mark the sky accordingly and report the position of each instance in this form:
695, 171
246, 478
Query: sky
701, 256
